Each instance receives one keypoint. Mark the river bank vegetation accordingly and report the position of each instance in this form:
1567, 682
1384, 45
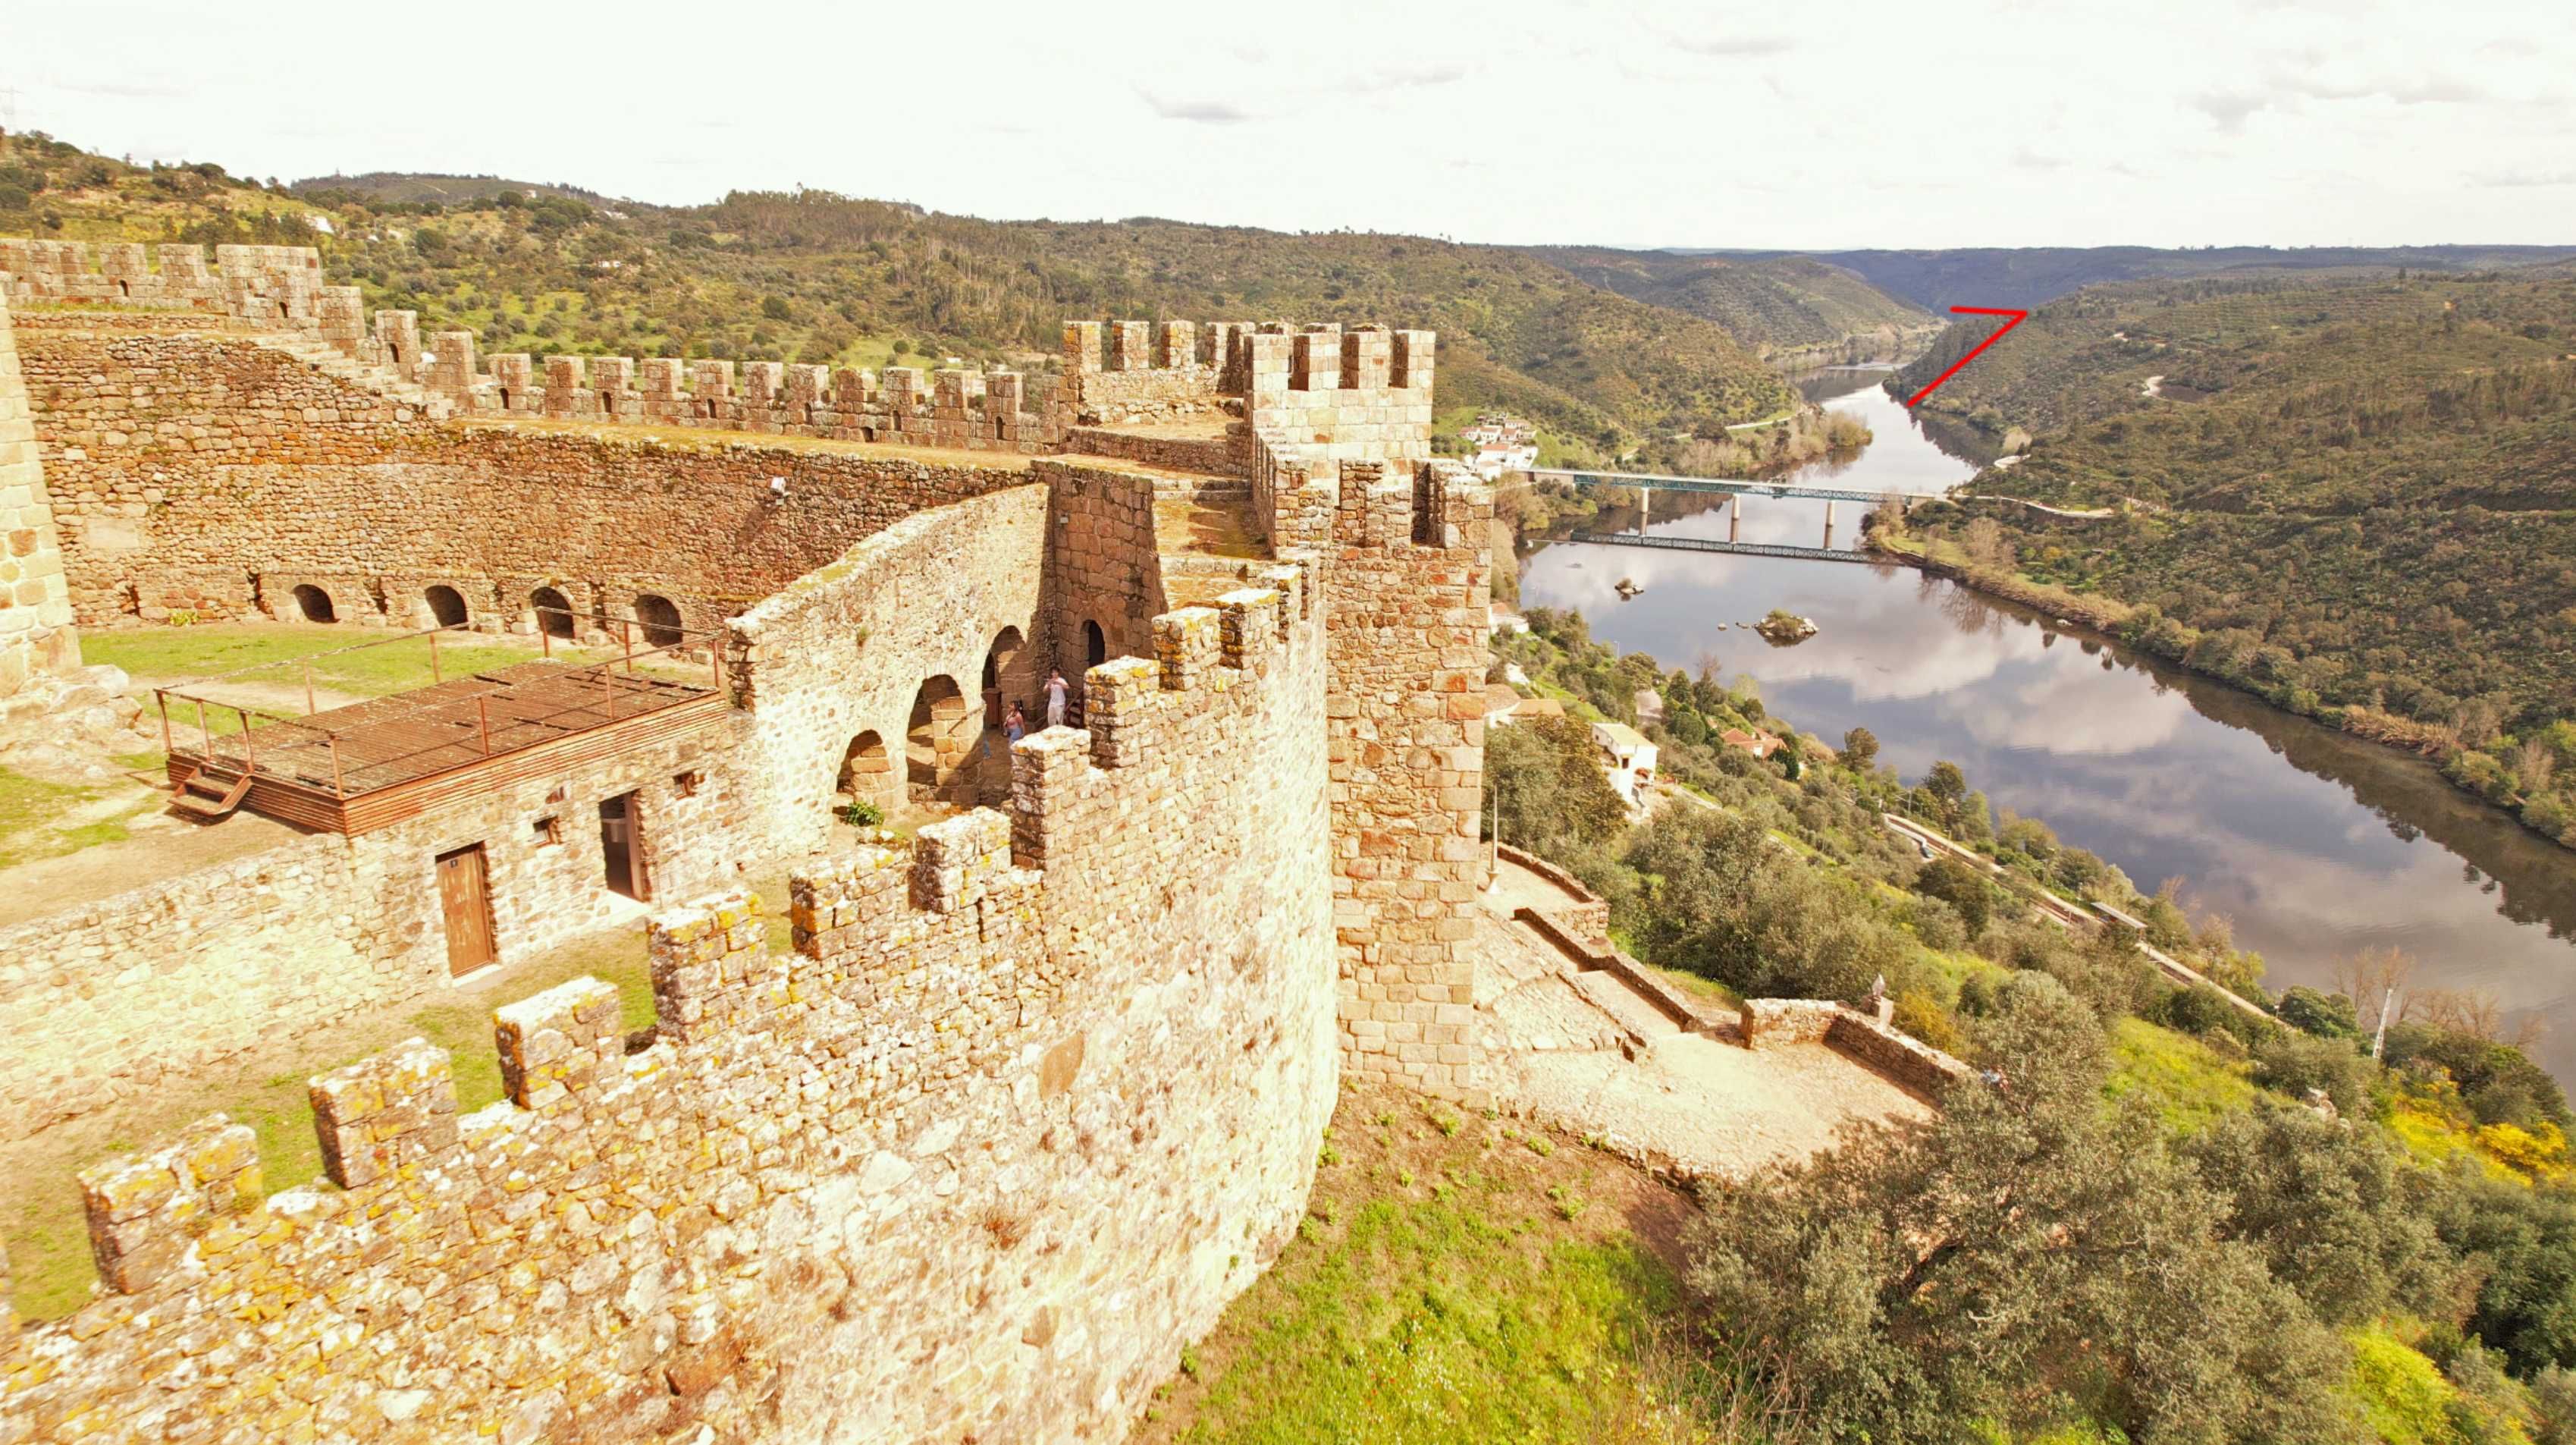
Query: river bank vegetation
2162, 1219
2356, 499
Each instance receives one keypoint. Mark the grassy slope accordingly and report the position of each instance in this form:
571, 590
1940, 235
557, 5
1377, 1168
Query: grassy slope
1456, 1278
1778, 304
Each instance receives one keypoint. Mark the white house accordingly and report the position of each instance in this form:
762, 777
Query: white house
1630, 759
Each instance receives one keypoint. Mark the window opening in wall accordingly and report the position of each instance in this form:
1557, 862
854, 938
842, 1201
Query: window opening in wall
661, 619
549, 832
315, 603
554, 612
621, 842
446, 606
687, 784
465, 899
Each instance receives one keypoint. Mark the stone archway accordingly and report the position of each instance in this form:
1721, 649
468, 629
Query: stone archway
660, 617
446, 606
867, 773
315, 604
1005, 681
554, 612
939, 743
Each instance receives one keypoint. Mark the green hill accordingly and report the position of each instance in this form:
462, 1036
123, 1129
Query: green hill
2028, 276
400, 186
1779, 307
816, 277
2355, 497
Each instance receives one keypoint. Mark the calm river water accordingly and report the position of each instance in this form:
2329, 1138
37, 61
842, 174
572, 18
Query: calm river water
2316, 845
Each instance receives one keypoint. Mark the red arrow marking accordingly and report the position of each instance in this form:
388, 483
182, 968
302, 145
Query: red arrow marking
2017, 318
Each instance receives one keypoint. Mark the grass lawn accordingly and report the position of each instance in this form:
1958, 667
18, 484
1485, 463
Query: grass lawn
203, 650
1456, 1278
2190, 1084
39, 819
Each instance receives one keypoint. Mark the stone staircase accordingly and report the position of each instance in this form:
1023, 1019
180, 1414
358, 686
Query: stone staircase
331, 361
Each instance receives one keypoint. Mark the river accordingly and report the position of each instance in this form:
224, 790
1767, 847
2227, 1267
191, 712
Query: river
2314, 844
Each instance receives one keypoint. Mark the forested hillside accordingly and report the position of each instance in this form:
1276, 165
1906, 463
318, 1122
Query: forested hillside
2028, 276
817, 277
2356, 497
1781, 307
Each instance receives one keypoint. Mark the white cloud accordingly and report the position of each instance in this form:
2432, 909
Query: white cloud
1665, 122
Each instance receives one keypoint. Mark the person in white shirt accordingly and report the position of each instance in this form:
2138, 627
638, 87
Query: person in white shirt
1055, 686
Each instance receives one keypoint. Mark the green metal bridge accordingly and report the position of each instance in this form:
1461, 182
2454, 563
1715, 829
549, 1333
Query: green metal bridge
1646, 481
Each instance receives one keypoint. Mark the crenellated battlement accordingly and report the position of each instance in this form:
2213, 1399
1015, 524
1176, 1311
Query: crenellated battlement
274, 285
991, 1042
951, 407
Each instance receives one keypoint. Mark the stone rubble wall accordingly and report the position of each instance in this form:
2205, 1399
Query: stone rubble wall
1777, 1022
1410, 582
206, 476
278, 286
1033, 1098
846, 649
111, 998
1211, 456
36, 633
948, 408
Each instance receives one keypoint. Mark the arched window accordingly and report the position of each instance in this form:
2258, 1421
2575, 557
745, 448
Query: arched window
446, 606
937, 744
554, 612
661, 619
315, 603
1095, 645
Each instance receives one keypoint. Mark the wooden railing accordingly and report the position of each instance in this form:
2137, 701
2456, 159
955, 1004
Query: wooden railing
447, 712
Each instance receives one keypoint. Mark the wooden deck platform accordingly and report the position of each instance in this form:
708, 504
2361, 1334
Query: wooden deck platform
372, 764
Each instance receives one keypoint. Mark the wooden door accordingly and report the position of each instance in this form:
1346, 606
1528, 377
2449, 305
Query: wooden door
465, 892
621, 844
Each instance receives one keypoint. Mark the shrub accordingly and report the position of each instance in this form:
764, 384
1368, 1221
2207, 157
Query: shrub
2295, 1063
2327, 1015
860, 814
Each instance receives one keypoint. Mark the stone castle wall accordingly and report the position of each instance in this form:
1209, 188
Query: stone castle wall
210, 474
36, 634
1411, 584
167, 980
1032, 1099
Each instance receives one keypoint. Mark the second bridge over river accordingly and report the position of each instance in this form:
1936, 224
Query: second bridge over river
1645, 484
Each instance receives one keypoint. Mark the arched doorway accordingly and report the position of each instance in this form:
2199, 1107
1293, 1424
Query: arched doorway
938, 742
1095, 645
554, 612
315, 603
446, 606
867, 774
1003, 682
661, 619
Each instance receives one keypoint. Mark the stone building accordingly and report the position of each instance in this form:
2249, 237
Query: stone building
1034, 1093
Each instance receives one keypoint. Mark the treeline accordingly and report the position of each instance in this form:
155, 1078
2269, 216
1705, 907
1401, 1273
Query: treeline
2070, 1246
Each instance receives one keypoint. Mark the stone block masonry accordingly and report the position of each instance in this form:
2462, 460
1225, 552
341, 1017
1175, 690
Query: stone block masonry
36, 634
113, 998
1410, 584
1030, 1101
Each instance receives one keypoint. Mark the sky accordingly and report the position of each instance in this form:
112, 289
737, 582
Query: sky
1813, 127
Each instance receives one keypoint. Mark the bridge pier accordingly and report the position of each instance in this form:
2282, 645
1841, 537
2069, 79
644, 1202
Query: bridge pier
1734, 516
1829, 522
1645, 505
